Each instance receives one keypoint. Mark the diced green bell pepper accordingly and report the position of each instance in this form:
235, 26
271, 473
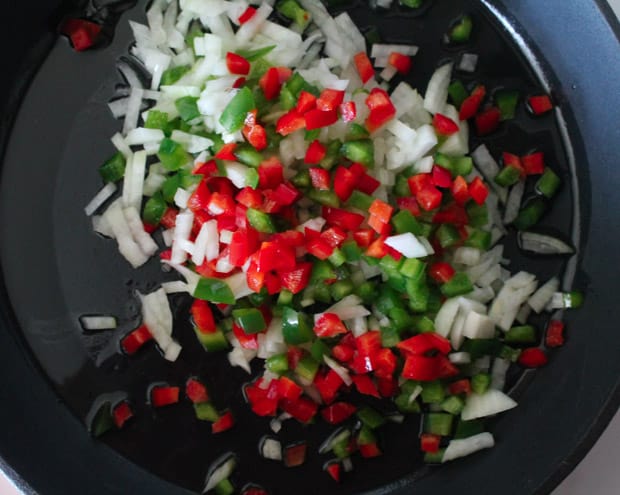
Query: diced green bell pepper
360, 151
173, 74
437, 423
507, 101
212, 342
251, 320
525, 334
480, 383
261, 221
154, 209
156, 120
188, 108
548, 183
458, 285
113, 169
206, 411
458, 93
307, 368
433, 392
530, 214
297, 327
214, 290
277, 364
234, 115
172, 155
371, 417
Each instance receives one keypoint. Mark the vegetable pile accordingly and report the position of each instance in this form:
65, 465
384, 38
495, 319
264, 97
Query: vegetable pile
332, 226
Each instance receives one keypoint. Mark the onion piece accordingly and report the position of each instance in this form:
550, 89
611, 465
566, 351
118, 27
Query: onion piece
408, 245
101, 197
141, 136
98, 322
437, 89
543, 244
220, 470
487, 404
489, 168
539, 300
142, 238
513, 203
270, 448
465, 446
127, 246
133, 110
341, 371
175, 287
468, 62
498, 373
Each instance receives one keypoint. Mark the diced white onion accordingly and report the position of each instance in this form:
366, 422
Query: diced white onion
543, 244
408, 245
99, 322
101, 197
539, 300
437, 90
487, 404
465, 446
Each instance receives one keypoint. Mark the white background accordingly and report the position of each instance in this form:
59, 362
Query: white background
597, 474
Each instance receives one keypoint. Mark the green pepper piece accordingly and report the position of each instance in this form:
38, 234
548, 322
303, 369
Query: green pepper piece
507, 101
351, 251
447, 235
233, 116
481, 347
480, 239
466, 429
307, 368
508, 176
154, 209
260, 220
214, 290
319, 349
194, 31
172, 155
252, 55
524, 334
453, 404
251, 320
404, 221
360, 151
102, 422
113, 169
297, 327
371, 417
390, 336
412, 4
172, 75
478, 214
424, 324
248, 155
324, 197
434, 457
367, 292
437, 423
419, 295
413, 268
405, 405
341, 289
357, 131
322, 270
461, 31
458, 285
548, 183
212, 342
294, 11
366, 436
188, 108
458, 93
224, 487
170, 186
530, 214
462, 165
278, 363
433, 392
301, 178
360, 200
205, 411
156, 120
480, 383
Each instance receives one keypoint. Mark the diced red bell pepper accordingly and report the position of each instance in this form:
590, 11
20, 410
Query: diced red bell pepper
328, 385
364, 385
533, 357
199, 199
270, 173
540, 104
294, 355
472, 103
295, 455
441, 272
317, 119
207, 169
400, 61
305, 102
424, 343
237, 64
555, 334
378, 226
365, 183
334, 236
369, 450
203, 316
410, 204
288, 389
381, 210
275, 256
419, 182
221, 204
512, 160
422, 368
384, 361
83, 34
344, 219
162, 395
388, 387
255, 278
441, 177
319, 248
240, 81
256, 135
121, 413
254, 490
368, 343
250, 198
364, 66
290, 122
364, 237
315, 153
285, 194
429, 442
534, 163
246, 341
302, 409
227, 152
320, 178
478, 191
196, 391
247, 15
148, 228
344, 183
338, 412
297, 279
460, 387
329, 100
460, 191
292, 238
348, 111
343, 353
429, 198
444, 126
136, 339
377, 248
333, 469
381, 108
445, 368
453, 214
225, 422
270, 83
329, 325
488, 121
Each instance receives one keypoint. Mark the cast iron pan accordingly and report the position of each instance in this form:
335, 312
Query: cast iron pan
55, 133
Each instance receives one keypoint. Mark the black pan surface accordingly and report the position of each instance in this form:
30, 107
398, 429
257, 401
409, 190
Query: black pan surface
56, 269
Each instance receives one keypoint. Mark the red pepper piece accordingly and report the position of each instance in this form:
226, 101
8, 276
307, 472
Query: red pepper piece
316, 119
288, 389
136, 339
381, 210
388, 387
441, 177
419, 182
445, 368
342, 353
320, 178
294, 355
472, 103
275, 256
425, 342
247, 15
246, 341
381, 109
270, 173
422, 368
365, 183
328, 385
533, 357
344, 219
83, 34
333, 469
250, 198
488, 121
290, 122
240, 81
295, 455
460, 387
315, 153
207, 169
364, 237
334, 236
452, 213
365, 385
444, 126
361, 365
162, 395
384, 361
400, 61
411, 205
199, 199
460, 191
329, 325
441, 272
381, 228
256, 135
555, 334
302, 409
344, 183
319, 248
225, 422
368, 343
270, 83
121, 414
292, 238
196, 391
226, 152
237, 64
254, 490
329, 100
305, 102
478, 191
297, 279
364, 66
370, 450
429, 198
284, 195
540, 104
203, 316
429, 442
348, 111
377, 248
338, 412
534, 163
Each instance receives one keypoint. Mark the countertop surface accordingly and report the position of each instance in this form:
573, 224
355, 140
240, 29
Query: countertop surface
597, 474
